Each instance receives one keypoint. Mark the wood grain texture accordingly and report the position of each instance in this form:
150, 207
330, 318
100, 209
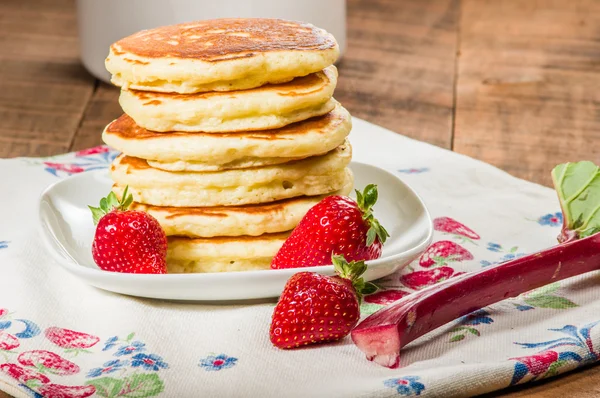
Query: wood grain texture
527, 88
43, 88
102, 109
398, 71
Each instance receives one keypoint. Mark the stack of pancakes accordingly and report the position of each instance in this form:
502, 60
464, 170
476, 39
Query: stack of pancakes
230, 134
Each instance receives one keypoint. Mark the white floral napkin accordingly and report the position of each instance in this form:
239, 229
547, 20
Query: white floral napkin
62, 338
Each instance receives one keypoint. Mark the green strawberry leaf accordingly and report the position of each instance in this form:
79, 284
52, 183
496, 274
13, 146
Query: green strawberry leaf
111, 202
456, 338
107, 387
554, 302
365, 200
142, 386
578, 188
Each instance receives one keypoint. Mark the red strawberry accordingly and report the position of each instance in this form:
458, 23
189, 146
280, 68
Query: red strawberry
127, 241
21, 374
8, 341
385, 297
451, 226
314, 308
66, 338
48, 361
443, 253
60, 391
420, 279
339, 225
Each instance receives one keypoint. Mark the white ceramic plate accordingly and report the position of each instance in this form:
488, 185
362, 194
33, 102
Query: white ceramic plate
67, 231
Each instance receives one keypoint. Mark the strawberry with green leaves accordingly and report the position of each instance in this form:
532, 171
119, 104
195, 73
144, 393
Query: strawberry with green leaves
126, 240
315, 308
337, 224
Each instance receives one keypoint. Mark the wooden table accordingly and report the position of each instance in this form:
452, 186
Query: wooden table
512, 82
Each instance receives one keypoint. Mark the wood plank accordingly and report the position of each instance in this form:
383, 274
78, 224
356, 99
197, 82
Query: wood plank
102, 109
43, 89
527, 91
398, 71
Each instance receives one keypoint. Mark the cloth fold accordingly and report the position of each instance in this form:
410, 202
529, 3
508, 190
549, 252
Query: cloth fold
61, 337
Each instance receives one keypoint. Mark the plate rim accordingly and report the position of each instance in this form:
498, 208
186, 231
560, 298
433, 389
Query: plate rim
76, 268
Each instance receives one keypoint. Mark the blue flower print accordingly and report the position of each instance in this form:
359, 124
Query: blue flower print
148, 362
4, 244
552, 220
214, 363
407, 386
477, 318
503, 259
494, 247
522, 307
108, 367
136, 346
414, 170
110, 343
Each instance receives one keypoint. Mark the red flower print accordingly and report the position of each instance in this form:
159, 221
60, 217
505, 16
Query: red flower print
3, 311
92, 151
21, 374
539, 363
66, 338
60, 391
68, 168
8, 341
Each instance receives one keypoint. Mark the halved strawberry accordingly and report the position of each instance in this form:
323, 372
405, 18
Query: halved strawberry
451, 226
71, 339
442, 253
46, 361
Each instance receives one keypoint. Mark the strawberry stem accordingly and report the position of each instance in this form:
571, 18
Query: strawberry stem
366, 200
353, 271
110, 203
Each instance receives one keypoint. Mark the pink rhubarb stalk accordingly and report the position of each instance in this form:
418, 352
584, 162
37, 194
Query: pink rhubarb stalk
382, 335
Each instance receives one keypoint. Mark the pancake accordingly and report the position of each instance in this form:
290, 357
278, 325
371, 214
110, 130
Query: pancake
252, 220
266, 107
127, 170
219, 55
242, 253
201, 150
189, 196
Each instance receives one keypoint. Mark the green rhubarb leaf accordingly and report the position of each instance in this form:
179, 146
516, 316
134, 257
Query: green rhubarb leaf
554, 302
107, 387
578, 188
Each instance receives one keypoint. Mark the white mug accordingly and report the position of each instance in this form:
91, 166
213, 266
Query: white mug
102, 22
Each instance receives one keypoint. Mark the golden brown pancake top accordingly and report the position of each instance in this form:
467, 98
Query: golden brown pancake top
225, 39
126, 128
